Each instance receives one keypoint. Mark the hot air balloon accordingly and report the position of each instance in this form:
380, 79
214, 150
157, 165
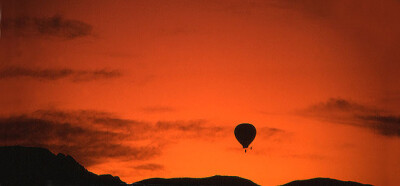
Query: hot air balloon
245, 134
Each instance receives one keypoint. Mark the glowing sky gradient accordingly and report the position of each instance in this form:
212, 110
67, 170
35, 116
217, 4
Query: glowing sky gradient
145, 88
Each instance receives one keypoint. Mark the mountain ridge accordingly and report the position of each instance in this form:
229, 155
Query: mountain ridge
324, 182
212, 180
36, 166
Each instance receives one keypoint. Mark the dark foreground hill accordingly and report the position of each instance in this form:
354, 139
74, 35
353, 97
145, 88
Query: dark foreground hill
214, 180
38, 166
237, 181
324, 182
23, 166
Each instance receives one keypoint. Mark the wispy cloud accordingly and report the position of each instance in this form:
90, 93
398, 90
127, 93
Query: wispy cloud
192, 129
85, 142
92, 136
56, 74
149, 167
347, 112
267, 132
56, 26
387, 125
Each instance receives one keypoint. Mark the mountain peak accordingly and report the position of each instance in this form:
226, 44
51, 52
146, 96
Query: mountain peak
324, 182
38, 166
216, 180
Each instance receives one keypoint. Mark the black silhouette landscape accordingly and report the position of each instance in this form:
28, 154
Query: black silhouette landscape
214, 180
323, 182
38, 166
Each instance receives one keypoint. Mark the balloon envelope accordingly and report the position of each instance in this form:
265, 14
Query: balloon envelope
245, 134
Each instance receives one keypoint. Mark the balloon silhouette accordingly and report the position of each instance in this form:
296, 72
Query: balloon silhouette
245, 134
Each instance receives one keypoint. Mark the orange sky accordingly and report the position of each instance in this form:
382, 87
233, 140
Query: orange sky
143, 89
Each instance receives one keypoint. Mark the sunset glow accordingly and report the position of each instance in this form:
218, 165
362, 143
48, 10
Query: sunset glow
150, 88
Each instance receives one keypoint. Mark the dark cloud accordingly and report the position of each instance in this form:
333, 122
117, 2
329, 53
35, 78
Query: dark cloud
132, 129
350, 113
56, 26
149, 167
85, 142
386, 125
93, 136
56, 74
339, 105
92, 117
191, 129
267, 132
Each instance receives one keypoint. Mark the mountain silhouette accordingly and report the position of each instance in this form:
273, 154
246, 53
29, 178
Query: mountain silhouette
214, 180
323, 182
38, 166
33, 166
